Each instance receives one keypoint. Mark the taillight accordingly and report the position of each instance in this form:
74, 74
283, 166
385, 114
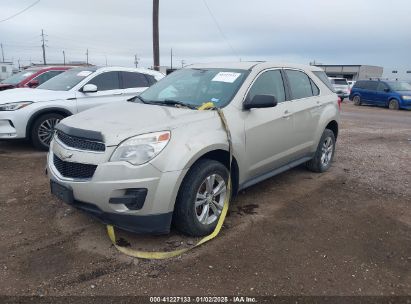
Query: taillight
339, 103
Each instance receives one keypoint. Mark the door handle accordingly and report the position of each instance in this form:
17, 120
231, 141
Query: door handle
287, 114
119, 93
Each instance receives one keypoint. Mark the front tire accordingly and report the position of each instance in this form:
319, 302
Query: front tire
357, 100
393, 104
201, 198
43, 129
324, 155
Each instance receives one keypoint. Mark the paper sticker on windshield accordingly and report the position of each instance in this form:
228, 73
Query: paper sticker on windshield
84, 73
229, 77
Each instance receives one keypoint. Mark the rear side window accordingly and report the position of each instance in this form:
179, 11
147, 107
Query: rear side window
314, 88
324, 78
370, 85
106, 81
300, 84
359, 85
269, 83
134, 80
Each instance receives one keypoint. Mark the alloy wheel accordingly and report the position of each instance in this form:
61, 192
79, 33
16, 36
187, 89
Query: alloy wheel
327, 150
46, 130
210, 199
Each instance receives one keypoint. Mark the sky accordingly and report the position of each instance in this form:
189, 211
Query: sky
375, 32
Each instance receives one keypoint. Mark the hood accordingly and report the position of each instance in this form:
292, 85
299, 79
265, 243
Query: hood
6, 86
34, 95
123, 120
404, 93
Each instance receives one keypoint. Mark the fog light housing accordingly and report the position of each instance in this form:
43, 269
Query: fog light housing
133, 199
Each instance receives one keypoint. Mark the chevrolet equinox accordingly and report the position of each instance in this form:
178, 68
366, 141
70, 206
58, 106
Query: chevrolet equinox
156, 160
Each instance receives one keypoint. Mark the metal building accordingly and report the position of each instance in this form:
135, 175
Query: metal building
352, 72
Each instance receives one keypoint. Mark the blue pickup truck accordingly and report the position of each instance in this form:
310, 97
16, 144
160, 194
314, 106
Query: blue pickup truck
392, 94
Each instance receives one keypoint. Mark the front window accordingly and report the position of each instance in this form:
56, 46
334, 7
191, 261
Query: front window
400, 86
17, 78
66, 81
194, 87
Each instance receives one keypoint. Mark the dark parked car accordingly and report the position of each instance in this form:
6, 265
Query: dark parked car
32, 77
392, 94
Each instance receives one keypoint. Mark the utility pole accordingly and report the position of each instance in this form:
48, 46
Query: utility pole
182, 63
64, 57
105, 56
87, 56
171, 59
43, 47
136, 60
2, 51
156, 43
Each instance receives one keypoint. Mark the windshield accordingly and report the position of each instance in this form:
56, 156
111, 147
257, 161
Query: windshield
399, 86
65, 81
19, 77
339, 81
194, 87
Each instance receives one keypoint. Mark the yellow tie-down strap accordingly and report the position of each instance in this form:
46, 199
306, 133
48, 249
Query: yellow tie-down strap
160, 255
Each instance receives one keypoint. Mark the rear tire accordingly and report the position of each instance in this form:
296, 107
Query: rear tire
324, 155
199, 203
357, 100
393, 104
42, 130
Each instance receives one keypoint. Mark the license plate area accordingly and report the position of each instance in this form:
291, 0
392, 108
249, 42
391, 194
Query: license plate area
62, 192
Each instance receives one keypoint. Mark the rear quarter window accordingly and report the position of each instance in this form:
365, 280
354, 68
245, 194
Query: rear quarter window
324, 78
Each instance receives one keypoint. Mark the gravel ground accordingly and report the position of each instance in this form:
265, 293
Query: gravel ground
345, 232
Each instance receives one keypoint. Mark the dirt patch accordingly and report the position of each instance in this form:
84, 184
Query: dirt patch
345, 232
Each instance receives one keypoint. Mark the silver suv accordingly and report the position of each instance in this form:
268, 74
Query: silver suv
156, 159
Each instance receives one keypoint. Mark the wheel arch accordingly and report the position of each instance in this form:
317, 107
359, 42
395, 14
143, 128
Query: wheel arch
39, 113
222, 156
333, 126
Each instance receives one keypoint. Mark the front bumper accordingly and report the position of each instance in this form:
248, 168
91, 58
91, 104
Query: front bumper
12, 124
114, 180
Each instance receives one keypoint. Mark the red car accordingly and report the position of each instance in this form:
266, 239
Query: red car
32, 77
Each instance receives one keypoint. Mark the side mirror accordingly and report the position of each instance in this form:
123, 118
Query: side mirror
260, 101
89, 88
33, 83
387, 90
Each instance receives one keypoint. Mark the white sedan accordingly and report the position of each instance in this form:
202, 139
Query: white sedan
33, 113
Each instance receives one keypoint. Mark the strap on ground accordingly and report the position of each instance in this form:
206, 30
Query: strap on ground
160, 255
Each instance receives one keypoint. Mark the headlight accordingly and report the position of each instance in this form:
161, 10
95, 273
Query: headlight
406, 97
141, 149
14, 105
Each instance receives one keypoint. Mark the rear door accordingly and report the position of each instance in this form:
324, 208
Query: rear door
306, 106
268, 131
372, 93
108, 90
133, 83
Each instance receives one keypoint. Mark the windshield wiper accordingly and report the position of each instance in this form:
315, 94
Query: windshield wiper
176, 103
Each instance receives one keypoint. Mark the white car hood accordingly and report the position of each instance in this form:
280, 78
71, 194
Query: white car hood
123, 120
34, 95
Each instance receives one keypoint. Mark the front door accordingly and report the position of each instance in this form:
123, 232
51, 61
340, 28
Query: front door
269, 131
108, 90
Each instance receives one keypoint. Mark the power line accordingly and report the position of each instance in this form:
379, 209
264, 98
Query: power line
20, 12
219, 29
